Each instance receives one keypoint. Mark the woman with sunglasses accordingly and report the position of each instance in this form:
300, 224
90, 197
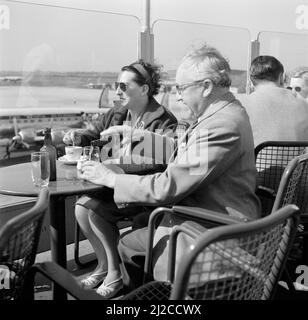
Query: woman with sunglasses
97, 216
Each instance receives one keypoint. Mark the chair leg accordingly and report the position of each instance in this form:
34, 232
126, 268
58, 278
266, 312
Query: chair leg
27, 292
76, 249
289, 279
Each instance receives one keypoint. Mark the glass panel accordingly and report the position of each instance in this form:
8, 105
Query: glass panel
56, 57
173, 39
290, 49
55, 64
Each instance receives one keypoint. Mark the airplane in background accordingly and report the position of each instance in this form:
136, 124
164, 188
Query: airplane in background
10, 79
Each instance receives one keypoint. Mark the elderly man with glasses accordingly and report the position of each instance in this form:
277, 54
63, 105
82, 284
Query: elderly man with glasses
213, 166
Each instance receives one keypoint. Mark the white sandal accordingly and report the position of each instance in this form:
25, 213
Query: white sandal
93, 280
108, 292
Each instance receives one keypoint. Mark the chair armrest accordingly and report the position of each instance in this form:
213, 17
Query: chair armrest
238, 257
191, 213
154, 216
64, 279
208, 215
190, 228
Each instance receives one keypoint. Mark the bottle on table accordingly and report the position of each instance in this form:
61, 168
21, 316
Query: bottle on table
52, 151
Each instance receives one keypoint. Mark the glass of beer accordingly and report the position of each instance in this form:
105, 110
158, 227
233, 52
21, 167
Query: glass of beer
91, 153
40, 169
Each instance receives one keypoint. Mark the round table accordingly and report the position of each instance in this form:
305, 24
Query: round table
16, 181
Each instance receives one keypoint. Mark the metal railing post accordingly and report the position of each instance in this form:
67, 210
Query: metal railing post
146, 37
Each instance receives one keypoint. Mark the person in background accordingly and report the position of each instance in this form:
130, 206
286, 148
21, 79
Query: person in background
212, 168
136, 87
274, 113
298, 83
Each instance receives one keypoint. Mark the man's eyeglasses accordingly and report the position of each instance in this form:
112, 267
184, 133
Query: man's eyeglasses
297, 89
181, 88
122, 85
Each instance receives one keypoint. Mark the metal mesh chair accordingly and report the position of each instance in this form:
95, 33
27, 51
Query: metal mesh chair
293, 189
19, 239
272, 157
293, 185
237, 261
240, 262
302, 202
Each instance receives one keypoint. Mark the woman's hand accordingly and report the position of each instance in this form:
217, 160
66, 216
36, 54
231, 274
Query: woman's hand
73, 137
98, 173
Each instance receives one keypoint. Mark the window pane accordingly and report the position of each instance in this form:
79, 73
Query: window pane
173, 39
57, 57
290, 49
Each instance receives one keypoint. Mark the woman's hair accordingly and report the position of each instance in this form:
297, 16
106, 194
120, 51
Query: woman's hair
146, 73
209, 63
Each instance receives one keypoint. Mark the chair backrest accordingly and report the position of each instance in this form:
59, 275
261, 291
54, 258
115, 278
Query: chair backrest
293, 186
272, 157
19, 239
239, 262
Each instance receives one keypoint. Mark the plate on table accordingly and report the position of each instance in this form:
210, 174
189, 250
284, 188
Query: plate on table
67, 161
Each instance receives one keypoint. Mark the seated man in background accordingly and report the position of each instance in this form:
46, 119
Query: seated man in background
212, 168
274, 112
299, 83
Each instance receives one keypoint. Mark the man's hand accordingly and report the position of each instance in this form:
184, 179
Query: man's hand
73, 137
98, 173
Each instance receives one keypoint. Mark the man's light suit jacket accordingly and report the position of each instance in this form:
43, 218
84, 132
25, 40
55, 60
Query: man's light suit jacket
215, 170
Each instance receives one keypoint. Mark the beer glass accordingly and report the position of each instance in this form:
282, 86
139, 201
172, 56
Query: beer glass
91, 153
40, 168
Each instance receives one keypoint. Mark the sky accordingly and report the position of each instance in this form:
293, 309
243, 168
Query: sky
59, 39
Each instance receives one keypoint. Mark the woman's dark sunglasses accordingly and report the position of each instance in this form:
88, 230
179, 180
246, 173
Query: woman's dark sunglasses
122, 85
297, 89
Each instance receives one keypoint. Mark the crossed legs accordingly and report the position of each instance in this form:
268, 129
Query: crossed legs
97, 219
103, 236
108, 235
82, 217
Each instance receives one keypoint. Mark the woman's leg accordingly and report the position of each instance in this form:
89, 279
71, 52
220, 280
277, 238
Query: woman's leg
82, 215
108, 234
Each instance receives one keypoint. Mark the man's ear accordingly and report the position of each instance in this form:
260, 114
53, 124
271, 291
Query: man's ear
251, 86
145, 89
208, 88
281, 79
